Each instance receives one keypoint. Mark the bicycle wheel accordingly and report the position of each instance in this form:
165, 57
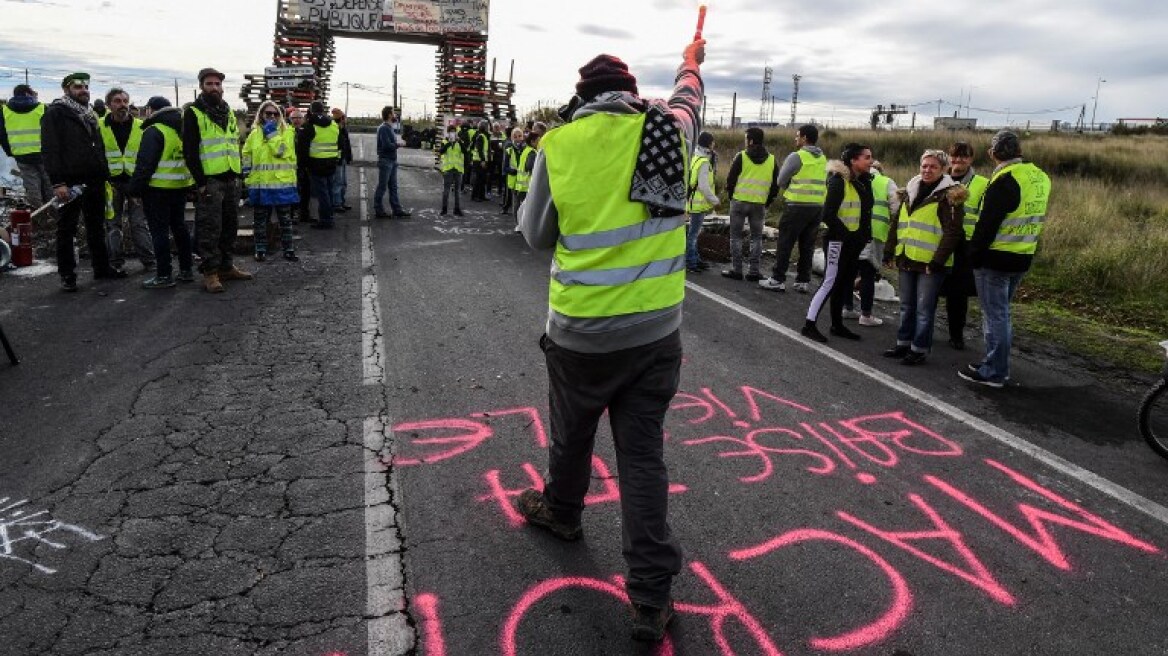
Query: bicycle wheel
1154, 418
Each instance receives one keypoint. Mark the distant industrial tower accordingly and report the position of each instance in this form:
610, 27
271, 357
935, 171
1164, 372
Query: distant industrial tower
795, 97
766, 93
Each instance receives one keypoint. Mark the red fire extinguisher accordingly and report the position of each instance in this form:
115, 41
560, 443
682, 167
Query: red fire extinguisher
21, 221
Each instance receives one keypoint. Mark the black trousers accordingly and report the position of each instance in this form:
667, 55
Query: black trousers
798, 225
956, 290
636, 386
91, 206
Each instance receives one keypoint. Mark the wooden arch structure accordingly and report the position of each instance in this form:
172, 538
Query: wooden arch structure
304, 52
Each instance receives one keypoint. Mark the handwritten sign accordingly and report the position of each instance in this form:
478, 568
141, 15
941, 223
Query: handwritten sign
394, 16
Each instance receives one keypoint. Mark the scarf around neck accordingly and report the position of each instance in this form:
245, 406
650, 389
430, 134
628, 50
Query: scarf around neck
83, 111
218, 113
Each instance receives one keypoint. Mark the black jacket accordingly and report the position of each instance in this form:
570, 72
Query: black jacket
757, 154
150, 151
346, 146
304, 137
71, 148
839, 174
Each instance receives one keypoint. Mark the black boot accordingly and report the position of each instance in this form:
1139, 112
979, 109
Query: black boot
811, 330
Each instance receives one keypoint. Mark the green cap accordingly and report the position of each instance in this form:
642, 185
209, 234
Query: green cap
74, 77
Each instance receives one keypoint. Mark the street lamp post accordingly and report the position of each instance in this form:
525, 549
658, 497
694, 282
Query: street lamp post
1096, 105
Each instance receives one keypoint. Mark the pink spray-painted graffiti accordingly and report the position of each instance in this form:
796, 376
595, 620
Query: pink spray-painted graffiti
760, 437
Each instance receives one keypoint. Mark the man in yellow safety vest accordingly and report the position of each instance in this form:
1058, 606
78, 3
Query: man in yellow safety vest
752, 184
20, 138
959, 284
211, 148
616, 219
319, 144
1002, 248
121, 134
802, 179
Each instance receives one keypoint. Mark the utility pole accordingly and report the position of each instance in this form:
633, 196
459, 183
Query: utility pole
396, 106
1096, 105
176, 92
766, 92
795, 97
703, 109
26, 76
346, 85
733, 109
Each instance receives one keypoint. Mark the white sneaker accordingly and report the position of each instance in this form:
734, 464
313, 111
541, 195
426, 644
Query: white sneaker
871, 321
803, 287
773, 284
850, 314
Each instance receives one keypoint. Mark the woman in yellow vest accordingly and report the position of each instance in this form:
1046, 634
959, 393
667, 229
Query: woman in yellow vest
511, 168
922, 241
269, 164
885, 205
959, 284
701, 198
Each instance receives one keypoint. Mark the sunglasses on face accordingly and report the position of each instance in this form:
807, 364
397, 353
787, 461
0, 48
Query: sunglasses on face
272, 114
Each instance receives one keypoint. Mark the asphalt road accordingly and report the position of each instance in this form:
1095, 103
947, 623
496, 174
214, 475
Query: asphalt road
324, 460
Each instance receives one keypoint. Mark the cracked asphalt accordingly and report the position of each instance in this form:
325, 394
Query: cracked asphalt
323, 461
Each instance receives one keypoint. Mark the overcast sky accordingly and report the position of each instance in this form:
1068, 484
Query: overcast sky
1025, 59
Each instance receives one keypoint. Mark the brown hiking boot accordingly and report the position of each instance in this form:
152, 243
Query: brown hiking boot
235, 273
211, 283
535, 510
649, 623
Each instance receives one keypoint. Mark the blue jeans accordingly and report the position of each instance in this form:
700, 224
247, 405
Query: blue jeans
995, 291
322, 188
386, 179
340, 185
918, 309
692, 257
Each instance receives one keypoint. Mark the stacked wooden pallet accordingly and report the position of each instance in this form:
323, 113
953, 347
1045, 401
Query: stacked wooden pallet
296, 43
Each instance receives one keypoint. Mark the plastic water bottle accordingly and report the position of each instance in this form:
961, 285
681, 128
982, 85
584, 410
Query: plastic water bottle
74, 191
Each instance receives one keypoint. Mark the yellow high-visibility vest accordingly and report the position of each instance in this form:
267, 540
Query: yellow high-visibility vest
513, 164
754, 183
121, 161
918, 234
697, 203
24, 130
881, 212
269, 171
172, 171
612, 258
453, 159
523, 176
809, 186
218, 148
977, 186
1021, 228
324, 142
849, 211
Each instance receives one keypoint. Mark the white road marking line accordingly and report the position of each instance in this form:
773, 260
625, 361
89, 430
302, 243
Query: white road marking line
388, 630
1113, 490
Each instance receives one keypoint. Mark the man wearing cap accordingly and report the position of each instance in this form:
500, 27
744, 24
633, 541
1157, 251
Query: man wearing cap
161, 179
341, 181
20, 137
121, 132
1002, 248
608, 193
210, 139
318, 144
74, 155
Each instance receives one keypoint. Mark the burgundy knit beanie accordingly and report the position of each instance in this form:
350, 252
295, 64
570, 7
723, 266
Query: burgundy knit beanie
605, 73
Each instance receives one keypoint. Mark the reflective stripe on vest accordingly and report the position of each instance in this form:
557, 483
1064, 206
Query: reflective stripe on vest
849, 211
121, 161
977, 186
218, 148
809, 186
172, 172
24, 130
324, 142
453, 159
267, 170
523, 176
881, 210
1021, 228
697, 203
754, 183
612, 258
918, 234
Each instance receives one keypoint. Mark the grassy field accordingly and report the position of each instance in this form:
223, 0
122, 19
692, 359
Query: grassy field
1099, 285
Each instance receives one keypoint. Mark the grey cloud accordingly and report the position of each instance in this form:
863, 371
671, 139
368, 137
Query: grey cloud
533, 28
607, 32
